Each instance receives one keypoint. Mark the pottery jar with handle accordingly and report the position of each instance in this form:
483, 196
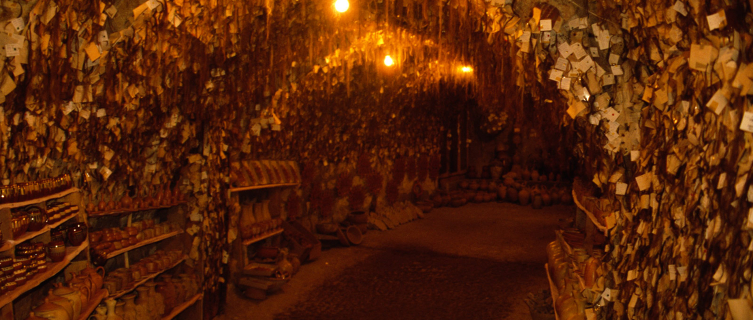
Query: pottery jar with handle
144, 306
129, 307
72, 296
95, 277
63, 302
157, 299
111, 314
51, 311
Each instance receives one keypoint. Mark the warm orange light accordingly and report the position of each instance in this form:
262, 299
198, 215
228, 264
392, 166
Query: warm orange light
388, 61
466, 69
342, 5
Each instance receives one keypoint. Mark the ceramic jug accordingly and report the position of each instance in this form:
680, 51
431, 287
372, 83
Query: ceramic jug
157, 299
129, 308
51, 311
95, 277
71, 295
111, 315
101, 313
63, 302
144, 305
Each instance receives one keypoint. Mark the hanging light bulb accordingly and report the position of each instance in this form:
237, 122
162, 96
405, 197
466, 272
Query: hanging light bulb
466, 69
388, 61
342, 5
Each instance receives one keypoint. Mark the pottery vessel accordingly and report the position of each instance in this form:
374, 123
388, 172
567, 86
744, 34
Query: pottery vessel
73, 296
111, 315
37, 218
51, 311
77, 234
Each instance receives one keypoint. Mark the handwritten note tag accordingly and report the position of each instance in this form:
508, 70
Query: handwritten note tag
556, 75
621, 188
12, 49
644, 181
564, 49
611, 114
152, 4
18, 24
717, 20
545, 25
561, 64
565, 83
92, 51
594, 51
717, 102
680, 8
747, 122
575, 108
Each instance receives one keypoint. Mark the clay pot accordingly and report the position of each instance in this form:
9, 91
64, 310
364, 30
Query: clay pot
525, 175
56, 251
537, 202
126, 202
437, 200
77, 234
566, 198
479, 197
102, 205
473, 186
512, 195
51, 311
484, 185
72, 296
138, 203
546, 199
535, 175
464, 184
525, 197
354, 235
358, 217
37, 218
501, 193
93, 274
63, 302
19, 223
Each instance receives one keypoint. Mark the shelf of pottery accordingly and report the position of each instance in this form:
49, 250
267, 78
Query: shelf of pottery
44, 238
140, 243
575, 258
262, 259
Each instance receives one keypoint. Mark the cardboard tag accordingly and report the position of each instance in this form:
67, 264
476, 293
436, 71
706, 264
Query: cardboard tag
611, 114
92, 51
594, 52
617, 70
111, 11
68, 108
607, 79
152, 4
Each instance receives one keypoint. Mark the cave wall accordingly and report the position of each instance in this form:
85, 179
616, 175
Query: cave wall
661, 136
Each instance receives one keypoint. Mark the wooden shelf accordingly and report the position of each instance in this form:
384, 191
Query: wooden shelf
553, 290
33, 234
52, 269
178, 309
124, 211
143, 243
145, 279
264, 186
589, 214
93, 303
262, 237
38, 200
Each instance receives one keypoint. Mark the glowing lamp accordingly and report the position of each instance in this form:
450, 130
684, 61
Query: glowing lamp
388, 61
466, 69
342, 5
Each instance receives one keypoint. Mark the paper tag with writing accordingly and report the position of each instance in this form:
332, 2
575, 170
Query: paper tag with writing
12, 49
545, 25
621, 188
556, 75
152, 4
68, 108
594, 51
747, 122
101, 112
18, 24
680, 8
106, 172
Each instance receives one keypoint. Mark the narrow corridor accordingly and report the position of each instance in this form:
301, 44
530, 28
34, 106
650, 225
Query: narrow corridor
474, 262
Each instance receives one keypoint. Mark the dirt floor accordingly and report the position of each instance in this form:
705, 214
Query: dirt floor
474, 262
